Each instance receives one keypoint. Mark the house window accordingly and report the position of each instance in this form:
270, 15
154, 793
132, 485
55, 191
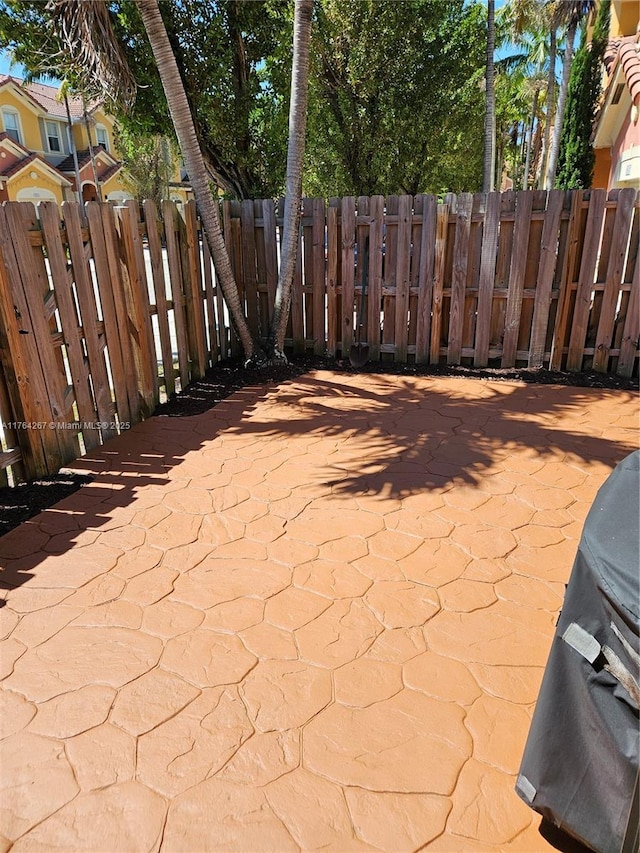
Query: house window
53, 136
102, 137
12, 125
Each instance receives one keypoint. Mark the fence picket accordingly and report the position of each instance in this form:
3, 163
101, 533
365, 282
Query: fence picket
333, 310
426, 277
297, 300
389, 278
170, 216
140, 307
631, 333
459, 276
524, 203
487, 278
376, 240
615, 271
548, 248
592, 237
11, 457
319, 292
442, 231
403, 258
195, 293
160, 289
210, 301
249, 268
348, 270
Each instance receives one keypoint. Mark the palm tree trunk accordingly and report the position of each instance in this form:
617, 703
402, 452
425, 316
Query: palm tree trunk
554, 151
551, 97
295, 158
194, 163
489, 165
532, 121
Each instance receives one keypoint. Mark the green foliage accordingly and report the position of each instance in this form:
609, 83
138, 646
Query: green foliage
149, 163
396, 104
576, 159
222, 47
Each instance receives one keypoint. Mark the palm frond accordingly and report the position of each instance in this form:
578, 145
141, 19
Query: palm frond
84, 27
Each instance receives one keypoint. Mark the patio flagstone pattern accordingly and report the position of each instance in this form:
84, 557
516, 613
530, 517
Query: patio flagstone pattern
315, 617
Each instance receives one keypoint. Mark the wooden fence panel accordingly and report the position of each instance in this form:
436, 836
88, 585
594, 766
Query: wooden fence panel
362, 243
61, 275
110, 289
154, 236
376, 241
524, 203
10, 451
426, 268
195, 292
333, 307
459, 276
584, 290
530, 278
630, 308
20, 364
566, 296
442, 230
176, 278
486, 280
546, 266
389, 278
403, 258
140, 311
297, 300
348, 273
615, 269
319, 290
43, 386
210, 302
249, 264
89, 318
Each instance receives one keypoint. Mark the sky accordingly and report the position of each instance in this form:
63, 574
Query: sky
5, 62
17, 70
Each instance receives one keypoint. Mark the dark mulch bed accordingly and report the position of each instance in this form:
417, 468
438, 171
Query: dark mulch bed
25, 501
28, 499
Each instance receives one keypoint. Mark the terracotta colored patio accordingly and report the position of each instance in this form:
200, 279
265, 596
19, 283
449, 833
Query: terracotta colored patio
315, 617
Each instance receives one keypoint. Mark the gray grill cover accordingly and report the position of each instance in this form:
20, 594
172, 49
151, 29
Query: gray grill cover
580, 765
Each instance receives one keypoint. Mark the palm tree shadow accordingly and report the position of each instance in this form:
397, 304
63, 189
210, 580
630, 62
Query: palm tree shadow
406, 436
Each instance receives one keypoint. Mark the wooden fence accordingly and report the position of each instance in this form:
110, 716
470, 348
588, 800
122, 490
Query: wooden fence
107, 309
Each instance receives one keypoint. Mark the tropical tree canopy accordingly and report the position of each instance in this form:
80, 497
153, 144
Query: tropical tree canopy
395, 103
577, 157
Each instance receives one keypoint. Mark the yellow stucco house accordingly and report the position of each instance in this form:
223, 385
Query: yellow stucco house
37, 144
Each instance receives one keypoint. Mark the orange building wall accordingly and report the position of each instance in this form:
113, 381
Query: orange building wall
602, 169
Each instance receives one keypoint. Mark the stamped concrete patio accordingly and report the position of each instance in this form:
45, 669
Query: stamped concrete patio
315, 617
